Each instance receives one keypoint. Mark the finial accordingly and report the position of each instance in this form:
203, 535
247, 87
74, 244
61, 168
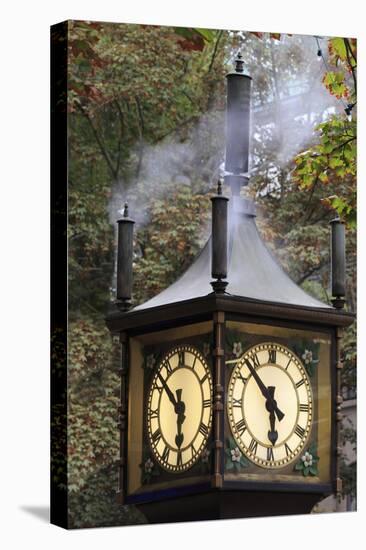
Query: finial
338, 262
125, 210
219, 187
239, 63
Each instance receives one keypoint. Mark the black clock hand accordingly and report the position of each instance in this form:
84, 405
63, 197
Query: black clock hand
179, 409
272, 433
265, 391
167, 389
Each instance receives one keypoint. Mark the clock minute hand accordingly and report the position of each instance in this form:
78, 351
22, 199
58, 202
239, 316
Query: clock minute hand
265, 391
167, 389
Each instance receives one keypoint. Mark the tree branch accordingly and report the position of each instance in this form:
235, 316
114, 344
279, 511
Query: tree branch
122, 126
215, 51
309, 273
141, 134
348, 53
103, 150
342, 145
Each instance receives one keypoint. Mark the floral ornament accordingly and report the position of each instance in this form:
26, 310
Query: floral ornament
205, 461
307, 459
150, 361
234, 344
205, 455
235, 459
237, 349
307, 356
235, 455
206, 348
148, 470
308, 462
148, 466
308, 351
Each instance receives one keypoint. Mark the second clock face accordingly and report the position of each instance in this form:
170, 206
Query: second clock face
270, 405
179, 411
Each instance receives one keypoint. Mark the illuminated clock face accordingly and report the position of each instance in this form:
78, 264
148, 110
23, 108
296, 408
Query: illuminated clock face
180, 409
270, 405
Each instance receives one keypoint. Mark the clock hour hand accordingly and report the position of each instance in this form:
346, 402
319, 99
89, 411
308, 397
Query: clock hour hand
180, 408
265, 391
272, 433
167, 389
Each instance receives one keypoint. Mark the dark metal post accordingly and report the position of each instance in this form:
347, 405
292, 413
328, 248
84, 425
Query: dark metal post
218, 400
219, 240
339, 416
124, 260
338, 262
237, 126
123, 420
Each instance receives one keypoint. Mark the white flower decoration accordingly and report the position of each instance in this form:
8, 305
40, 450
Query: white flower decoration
206, 349
150, 361
235, 455
149, 465
307, 459
307, 356
205, 455
237, 349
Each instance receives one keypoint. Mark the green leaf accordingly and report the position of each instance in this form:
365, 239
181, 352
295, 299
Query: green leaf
339, 47
207, 34
313, 470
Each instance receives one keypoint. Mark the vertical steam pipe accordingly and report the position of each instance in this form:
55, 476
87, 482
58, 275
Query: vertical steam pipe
338, 262
219, 240
237, 127
124, 260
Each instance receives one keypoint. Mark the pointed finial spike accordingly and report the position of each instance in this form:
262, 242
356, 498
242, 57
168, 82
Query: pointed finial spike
219, 187
125, 211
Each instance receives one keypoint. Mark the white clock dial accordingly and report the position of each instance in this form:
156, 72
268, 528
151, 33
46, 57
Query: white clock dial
270, 405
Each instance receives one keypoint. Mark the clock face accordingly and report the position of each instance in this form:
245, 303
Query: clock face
270, 405
179, 413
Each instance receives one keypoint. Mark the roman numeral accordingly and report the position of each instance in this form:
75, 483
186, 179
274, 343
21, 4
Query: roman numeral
270, 455
304, 407
181, 359
299, 431
242, 378
300, 383
203, 429
288, 364
255, 361
194, 362
156, 436
193, 449
272, 356
179, 459
253, 446
204, 378
206, 403
154, 414
287, 449
236, 402
158, 387
165, 455
241, 426
168, 367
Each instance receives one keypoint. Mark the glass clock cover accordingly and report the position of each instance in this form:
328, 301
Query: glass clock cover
170, 409
278, 422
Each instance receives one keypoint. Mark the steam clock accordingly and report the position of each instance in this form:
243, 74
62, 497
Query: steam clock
230, 377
